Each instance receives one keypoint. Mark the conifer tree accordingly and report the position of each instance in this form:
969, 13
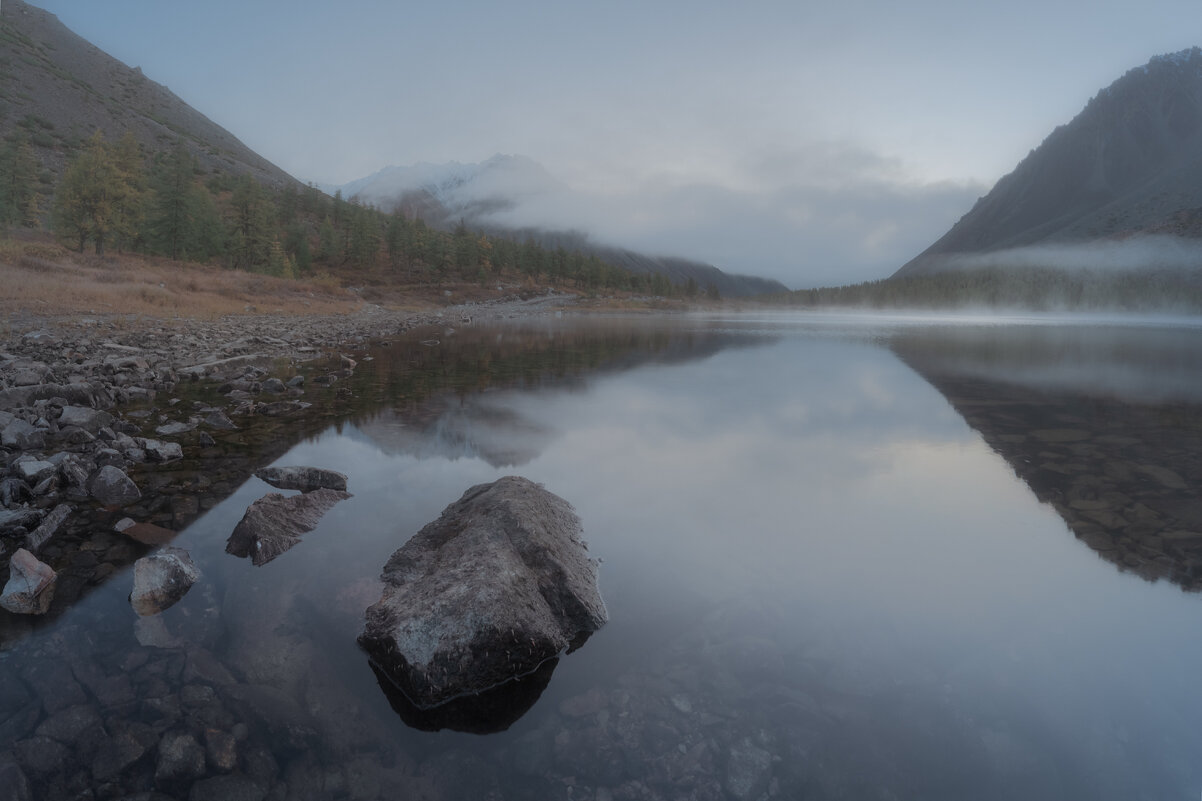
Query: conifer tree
98, 197
18, 184
250, 230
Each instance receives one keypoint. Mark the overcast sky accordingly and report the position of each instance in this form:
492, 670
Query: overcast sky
817, 143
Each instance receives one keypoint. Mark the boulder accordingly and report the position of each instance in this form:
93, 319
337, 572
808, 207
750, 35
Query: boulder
90, 420
112, 487
500, 583
161, 579
305, 479
31, 471
275, 523
22, 436
30, 586
174, 429
219, 419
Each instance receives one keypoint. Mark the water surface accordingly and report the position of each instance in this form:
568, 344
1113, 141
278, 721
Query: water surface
823, 580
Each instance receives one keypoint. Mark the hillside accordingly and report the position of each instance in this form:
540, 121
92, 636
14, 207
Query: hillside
1130, 163
444, 195
60, 88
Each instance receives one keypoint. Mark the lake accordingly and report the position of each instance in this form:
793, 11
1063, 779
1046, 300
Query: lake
844, 556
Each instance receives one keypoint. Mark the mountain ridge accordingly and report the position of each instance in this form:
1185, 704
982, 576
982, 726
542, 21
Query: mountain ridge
1129, 163
61, 88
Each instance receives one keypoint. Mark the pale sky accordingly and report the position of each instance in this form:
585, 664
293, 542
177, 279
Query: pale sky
816, 143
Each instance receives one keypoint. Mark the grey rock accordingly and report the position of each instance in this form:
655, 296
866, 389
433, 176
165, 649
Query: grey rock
296, 382
90, 420
281, 408
29, 376
22, 436
498, 584
173, 429
13, 784
181, 760
305, 479
112, 487
30, 586
275, 386
205, 441
159, 451
32, 471
275, 523
40, 337
116, 753
748, 770
161, 579
67, 725
42, 756
12, 492
50, 525
233, 787
219, 420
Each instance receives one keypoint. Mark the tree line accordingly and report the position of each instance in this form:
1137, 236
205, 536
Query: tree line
111, 197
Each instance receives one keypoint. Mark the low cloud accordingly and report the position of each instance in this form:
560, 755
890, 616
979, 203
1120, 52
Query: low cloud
1159, 251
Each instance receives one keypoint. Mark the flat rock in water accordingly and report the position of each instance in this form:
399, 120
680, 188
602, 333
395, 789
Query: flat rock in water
161, 579
30, 586
497, 585
147, 533
305, 479
275, 523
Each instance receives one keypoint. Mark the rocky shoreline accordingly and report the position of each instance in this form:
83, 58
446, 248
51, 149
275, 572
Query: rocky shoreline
90, 408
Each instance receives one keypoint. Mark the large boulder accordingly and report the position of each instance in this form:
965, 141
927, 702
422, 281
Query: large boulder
275, 523
305, 479
30, 586
497, 585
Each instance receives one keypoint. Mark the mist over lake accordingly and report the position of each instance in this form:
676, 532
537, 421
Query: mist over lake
844, 556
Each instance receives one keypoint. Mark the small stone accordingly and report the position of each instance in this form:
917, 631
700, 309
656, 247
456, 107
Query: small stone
158, 451
219, 420
181, 760
147, 533
173, 429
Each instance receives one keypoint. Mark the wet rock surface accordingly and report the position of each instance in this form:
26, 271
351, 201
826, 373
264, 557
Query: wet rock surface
497, 585
305, 479
161, 579
275, 523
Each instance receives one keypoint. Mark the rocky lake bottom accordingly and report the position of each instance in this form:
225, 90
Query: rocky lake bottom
843, 557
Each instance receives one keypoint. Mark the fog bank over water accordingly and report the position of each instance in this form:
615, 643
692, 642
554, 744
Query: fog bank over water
1159, 251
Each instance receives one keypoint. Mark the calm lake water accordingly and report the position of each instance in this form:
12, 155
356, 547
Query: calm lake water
844, 557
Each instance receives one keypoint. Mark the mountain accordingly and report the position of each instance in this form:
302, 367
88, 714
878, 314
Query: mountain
1129, 164
60, 88
444, 194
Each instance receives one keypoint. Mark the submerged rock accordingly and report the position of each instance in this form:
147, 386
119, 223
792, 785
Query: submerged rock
49, 526
275, 523
30, 586
162, 579
500, 583
305, 479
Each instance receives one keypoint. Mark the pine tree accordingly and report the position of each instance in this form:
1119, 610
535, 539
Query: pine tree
19, 198
250, 231
96, 197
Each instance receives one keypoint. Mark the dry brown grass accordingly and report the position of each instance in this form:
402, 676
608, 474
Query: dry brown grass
46, 279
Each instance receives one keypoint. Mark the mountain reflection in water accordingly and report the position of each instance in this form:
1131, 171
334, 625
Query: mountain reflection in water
822, 581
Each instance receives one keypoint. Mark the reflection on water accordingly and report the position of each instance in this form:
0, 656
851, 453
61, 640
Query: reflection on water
822, 581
